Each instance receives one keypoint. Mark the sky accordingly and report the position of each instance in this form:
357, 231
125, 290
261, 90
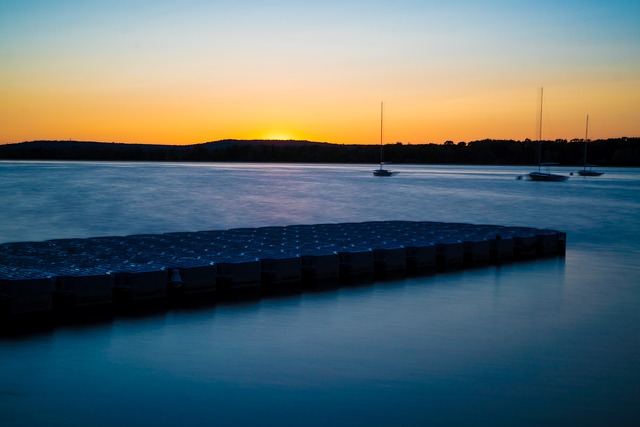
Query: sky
192, 71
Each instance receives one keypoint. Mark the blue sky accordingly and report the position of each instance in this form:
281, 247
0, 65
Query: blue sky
190, 71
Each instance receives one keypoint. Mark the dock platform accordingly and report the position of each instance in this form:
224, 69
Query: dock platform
80, 275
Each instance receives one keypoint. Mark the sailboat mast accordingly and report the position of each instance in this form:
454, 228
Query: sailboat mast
586, 141
381, 127
540, 123
381, 120
381, 171
540, 130
586, 131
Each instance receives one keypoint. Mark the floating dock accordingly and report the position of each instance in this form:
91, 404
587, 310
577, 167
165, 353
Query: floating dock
39, 279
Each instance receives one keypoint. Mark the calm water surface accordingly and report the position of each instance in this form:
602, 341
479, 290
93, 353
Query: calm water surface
551, 342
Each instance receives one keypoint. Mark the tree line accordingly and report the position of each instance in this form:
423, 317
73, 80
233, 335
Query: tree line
605, 152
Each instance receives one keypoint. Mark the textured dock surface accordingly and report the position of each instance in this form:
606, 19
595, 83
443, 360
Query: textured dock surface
103, 270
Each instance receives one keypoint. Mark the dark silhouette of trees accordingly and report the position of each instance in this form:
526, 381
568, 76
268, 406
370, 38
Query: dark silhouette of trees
610, 152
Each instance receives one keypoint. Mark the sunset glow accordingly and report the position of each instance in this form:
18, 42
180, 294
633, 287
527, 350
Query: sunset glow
279, 136
189, 72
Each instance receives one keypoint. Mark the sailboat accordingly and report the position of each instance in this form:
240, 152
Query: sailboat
381, 171
584, 171
539, 175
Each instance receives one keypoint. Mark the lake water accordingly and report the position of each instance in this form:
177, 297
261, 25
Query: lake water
551, 342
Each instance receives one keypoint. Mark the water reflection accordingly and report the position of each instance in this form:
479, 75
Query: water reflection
546, 342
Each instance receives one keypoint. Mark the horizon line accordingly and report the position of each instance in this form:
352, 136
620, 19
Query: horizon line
311, 141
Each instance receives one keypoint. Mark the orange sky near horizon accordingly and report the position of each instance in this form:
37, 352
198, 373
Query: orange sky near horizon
190, 72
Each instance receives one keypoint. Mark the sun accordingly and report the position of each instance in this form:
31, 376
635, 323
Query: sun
279, 135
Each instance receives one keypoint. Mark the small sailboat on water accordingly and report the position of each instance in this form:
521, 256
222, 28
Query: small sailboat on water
584, 171
381, 171
546, 175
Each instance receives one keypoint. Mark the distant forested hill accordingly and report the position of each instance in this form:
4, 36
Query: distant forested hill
609, 152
